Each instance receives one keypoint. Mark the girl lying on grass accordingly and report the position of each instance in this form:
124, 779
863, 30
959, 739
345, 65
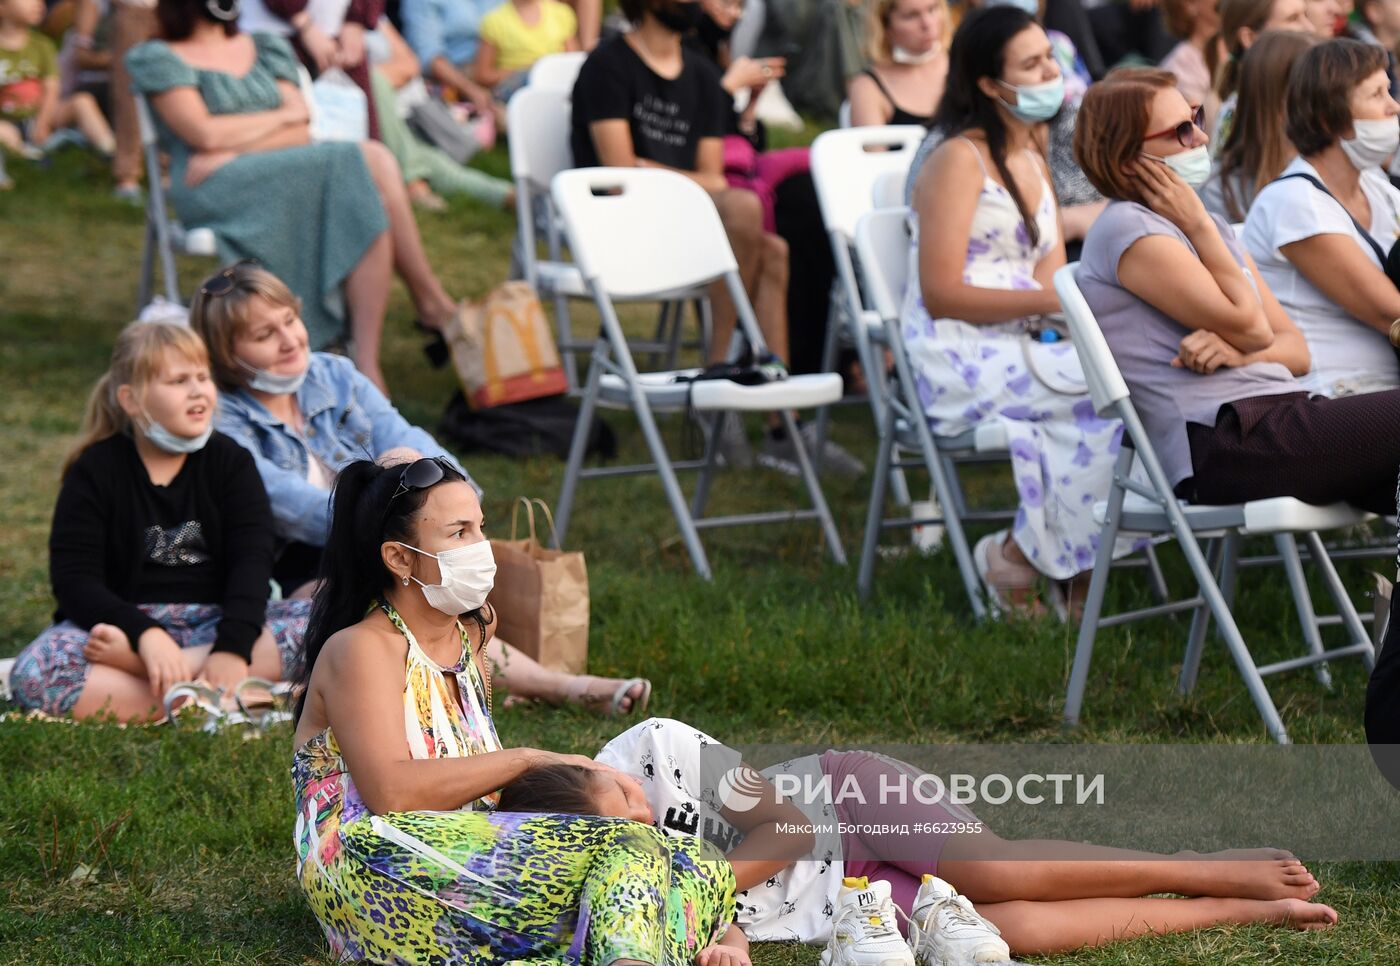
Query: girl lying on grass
1043, 896
161, 547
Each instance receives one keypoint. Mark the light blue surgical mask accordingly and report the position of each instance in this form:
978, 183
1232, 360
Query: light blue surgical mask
1191, 166
169, 442
1036, 102
274, 383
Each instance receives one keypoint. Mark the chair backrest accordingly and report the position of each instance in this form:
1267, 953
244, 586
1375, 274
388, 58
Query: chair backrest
1105, 381
556, 72
882, 251
641, 231
889, 190
846, 164
539, 120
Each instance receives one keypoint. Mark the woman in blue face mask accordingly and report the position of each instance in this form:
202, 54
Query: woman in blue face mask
986, 240
304, 416
160, 550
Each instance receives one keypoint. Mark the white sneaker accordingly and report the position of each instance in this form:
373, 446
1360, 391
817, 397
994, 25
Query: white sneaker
864, 931
946, 931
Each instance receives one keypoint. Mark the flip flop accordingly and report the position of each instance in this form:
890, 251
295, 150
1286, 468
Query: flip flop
277, 708
203, 698
639, 705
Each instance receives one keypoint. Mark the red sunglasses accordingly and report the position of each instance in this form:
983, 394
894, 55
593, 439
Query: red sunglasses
1185, 129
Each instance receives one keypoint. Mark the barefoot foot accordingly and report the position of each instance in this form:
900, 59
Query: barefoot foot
1301, 915
1251, 874
108, 645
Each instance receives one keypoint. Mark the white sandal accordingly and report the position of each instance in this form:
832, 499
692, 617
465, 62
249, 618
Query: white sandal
578, 694
1000, 575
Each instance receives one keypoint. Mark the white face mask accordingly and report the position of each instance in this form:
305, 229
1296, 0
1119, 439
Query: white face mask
1375, 141
274, 383
468, 574
902, 56
1191, 165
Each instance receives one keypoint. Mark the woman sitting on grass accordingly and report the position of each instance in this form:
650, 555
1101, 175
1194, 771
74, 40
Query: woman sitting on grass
1043, 896
305, 415
401, 852
161, 547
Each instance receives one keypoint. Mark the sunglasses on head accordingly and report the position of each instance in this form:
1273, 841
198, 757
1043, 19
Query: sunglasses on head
421, 474
225, 281
1185, 131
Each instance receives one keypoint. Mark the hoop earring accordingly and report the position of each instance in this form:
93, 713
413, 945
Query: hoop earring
405, 581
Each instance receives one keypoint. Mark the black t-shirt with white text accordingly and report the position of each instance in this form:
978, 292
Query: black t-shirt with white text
668, 118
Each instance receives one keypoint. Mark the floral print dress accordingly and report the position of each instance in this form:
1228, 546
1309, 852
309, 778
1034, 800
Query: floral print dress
477, 886
1062, 453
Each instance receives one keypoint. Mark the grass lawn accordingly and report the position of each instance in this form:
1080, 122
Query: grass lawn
189, 835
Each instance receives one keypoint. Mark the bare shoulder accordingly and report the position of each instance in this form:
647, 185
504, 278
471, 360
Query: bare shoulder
954, 165
371, 647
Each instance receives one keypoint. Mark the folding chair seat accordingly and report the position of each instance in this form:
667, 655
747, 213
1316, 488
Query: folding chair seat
1152, 507
846, 165
164, 237
638, 233
539, 119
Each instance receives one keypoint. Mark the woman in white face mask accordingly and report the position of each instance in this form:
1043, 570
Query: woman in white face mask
306, 415
907, 43
1322, 232
398, 764
1210, 356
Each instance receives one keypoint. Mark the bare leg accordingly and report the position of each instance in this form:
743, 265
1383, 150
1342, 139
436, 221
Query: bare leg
81, 111
988, 869
1035, 928
109, 691
770, 299
12, 139
742, 215
434, 305
525, 677
367, 297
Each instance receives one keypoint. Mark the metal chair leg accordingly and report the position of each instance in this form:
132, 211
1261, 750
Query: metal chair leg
1351, 620
1200, 624
578, 447
875, 511
1093, 608
702, 485
1287, 548
814, 489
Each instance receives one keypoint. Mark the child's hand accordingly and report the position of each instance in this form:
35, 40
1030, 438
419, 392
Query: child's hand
720, 955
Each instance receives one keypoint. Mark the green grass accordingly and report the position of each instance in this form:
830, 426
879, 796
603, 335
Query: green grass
190, 835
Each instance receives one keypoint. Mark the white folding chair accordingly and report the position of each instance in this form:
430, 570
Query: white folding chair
556, 72
164, 236
882, 252
888, 191
639, 233
845, 167
539, 120
1153, 508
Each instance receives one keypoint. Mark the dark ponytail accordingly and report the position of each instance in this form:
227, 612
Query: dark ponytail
979, 50
353, 576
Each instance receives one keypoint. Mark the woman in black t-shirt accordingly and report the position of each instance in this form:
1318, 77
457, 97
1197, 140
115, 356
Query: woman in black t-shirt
161, 547
644, 99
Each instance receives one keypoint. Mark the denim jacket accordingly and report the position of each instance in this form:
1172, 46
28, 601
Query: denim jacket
346, 418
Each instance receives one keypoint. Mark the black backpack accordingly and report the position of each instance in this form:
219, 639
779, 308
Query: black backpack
535, 427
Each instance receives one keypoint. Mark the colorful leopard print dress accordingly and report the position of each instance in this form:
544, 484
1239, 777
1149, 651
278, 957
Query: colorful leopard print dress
476, 886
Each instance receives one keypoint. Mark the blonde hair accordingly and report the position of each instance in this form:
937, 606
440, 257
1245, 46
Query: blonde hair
137, 359
218, 316
877, 40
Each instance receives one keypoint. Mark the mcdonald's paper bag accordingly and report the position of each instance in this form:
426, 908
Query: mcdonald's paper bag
541, 597
503, 349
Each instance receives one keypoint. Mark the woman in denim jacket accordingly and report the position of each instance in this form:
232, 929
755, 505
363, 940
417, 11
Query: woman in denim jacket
304, 415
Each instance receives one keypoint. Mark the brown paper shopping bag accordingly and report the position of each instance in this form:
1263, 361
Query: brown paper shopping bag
541, 596
503, 349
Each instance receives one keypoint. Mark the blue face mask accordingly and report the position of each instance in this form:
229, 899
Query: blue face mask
274, 383
1031, 7
166, 440
1036, 102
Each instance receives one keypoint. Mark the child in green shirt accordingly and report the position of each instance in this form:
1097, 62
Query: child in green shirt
31, 108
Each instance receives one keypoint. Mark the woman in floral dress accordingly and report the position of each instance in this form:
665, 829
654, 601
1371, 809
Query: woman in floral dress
400, 853
986, 242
